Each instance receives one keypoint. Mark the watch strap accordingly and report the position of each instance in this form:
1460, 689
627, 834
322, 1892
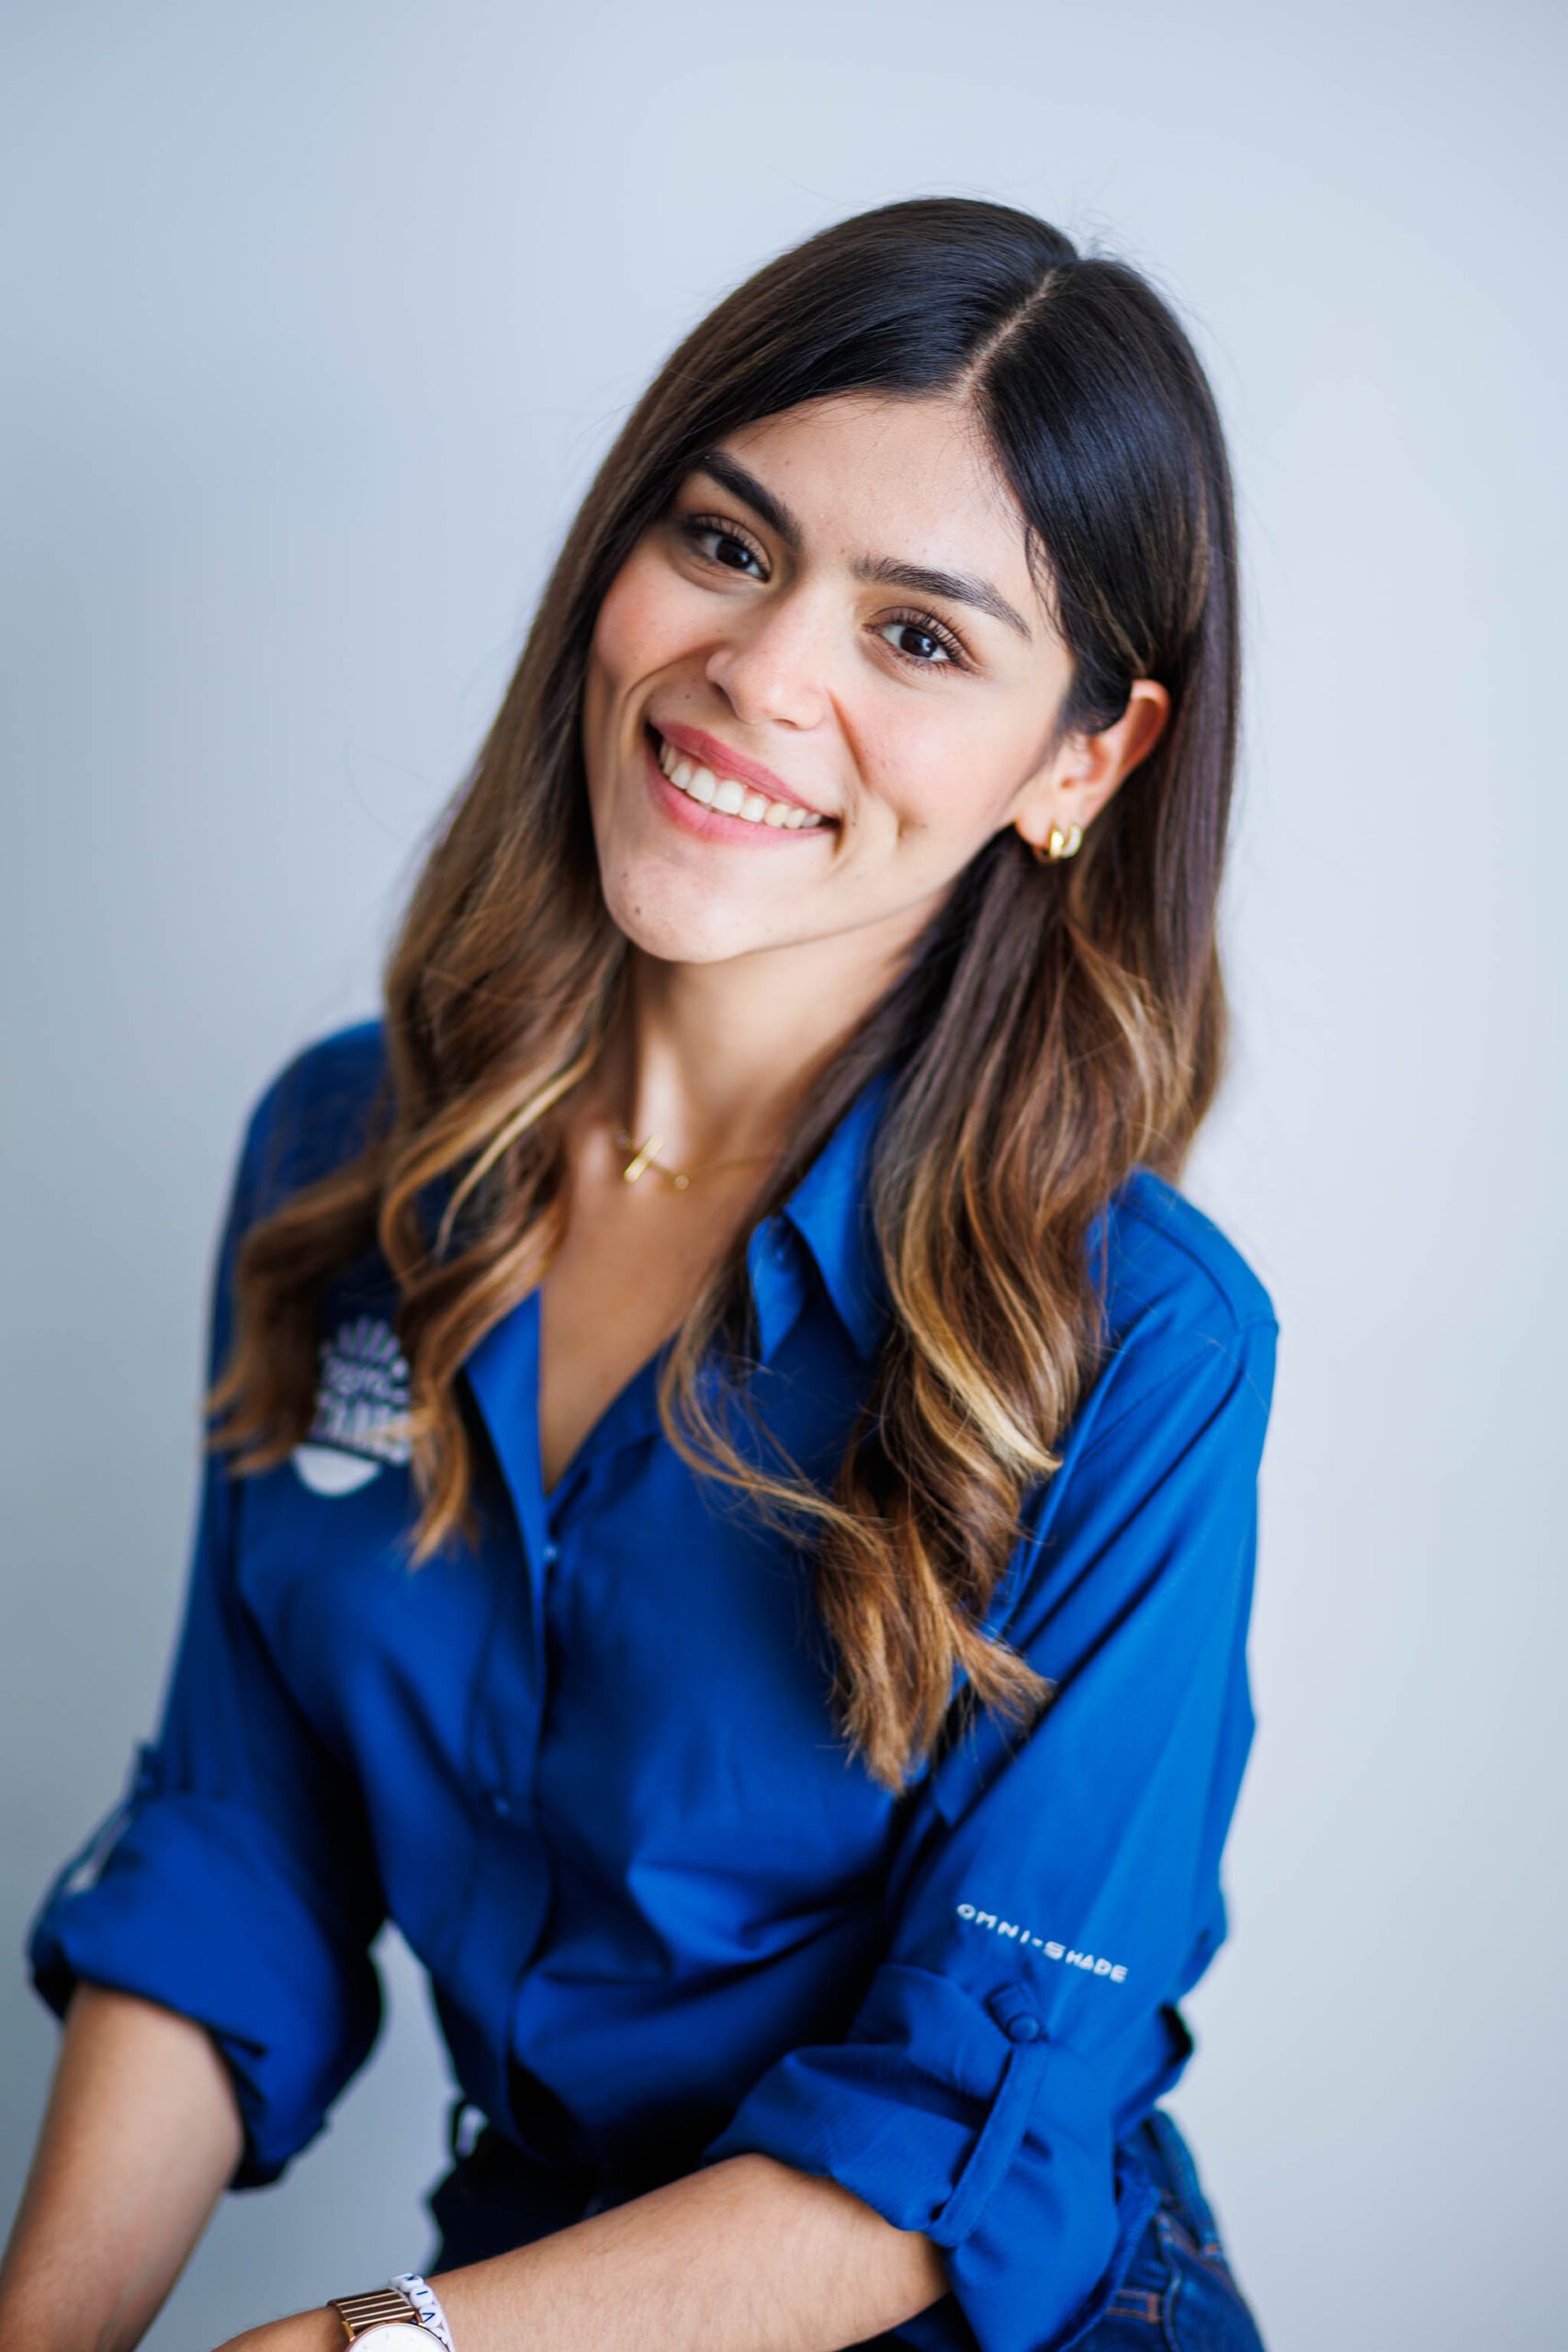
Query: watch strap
378, 2307
426, 2302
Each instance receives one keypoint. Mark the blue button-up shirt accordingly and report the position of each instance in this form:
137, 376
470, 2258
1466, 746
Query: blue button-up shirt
590, 1771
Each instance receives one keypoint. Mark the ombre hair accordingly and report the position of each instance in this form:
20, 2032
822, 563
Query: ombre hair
1054, 1026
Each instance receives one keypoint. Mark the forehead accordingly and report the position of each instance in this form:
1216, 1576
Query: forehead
914, 478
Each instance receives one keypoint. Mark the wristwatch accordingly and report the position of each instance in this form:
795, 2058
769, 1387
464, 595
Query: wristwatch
381, 2320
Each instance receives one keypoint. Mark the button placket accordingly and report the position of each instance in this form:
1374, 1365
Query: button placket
550, 1598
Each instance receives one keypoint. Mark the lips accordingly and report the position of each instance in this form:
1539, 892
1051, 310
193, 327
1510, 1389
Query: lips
705, 820
706, 750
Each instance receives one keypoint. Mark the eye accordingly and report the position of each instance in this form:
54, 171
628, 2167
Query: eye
926, 624
697, 527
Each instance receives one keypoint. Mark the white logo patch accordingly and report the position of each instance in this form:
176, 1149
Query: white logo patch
360, 1401
1092, 1963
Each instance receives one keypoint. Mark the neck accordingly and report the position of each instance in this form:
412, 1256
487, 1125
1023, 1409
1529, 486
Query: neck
717, 1067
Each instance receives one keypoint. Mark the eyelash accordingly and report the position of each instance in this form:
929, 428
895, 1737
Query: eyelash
696, 526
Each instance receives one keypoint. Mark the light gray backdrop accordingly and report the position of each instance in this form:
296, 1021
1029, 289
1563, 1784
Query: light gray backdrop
318, 320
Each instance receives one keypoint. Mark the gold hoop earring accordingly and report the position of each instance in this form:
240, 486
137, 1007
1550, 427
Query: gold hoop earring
1057, 845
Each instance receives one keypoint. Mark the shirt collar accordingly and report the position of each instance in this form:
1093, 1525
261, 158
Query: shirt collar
831, 1210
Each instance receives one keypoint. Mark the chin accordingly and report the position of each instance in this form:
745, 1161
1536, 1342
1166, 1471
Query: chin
678, 926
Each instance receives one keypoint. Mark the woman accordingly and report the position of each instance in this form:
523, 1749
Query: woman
741, 1520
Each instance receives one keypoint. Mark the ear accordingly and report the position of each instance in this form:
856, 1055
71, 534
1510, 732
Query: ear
1075, 784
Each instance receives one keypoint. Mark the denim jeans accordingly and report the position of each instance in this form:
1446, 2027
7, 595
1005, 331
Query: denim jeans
1178, 2293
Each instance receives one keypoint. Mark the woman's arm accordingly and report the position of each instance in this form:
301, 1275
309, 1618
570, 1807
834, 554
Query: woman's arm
139, 2140
745, 2256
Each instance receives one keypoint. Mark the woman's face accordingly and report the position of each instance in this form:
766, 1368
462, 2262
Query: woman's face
758, 617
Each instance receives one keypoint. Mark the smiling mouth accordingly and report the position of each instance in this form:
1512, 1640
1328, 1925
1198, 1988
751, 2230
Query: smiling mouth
728, 794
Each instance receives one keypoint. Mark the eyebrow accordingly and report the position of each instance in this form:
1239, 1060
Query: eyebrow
959, 587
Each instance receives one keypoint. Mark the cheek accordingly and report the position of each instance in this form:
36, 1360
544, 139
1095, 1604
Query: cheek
935, 780
638, 624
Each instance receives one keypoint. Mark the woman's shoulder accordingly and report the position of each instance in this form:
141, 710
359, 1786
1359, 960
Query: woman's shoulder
313, 1113
1190, 1333
1166, 1242
1169, 1258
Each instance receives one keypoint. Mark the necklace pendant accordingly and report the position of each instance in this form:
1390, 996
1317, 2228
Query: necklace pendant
638, 1166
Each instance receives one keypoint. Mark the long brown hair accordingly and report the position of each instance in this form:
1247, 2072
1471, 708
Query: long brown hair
1056, 1024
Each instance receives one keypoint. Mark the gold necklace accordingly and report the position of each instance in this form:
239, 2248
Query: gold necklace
676, 1178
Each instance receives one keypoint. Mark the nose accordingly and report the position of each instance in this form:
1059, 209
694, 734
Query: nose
772, 663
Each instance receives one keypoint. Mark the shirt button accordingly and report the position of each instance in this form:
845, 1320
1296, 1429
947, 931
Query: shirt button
1012, 2008
550, 1553
499, 1804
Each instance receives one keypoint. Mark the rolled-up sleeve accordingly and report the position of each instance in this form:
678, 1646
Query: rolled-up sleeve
234, 1881
1052, 1893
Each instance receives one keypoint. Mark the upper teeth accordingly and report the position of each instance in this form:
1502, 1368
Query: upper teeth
734, 799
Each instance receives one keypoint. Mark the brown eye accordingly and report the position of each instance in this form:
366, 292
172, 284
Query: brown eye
697, 527
926, 624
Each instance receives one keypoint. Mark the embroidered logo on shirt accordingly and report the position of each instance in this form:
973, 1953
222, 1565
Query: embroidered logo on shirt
1087, 1961
360, 1399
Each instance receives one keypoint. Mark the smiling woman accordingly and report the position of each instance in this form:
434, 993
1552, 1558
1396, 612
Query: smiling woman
730, 1510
